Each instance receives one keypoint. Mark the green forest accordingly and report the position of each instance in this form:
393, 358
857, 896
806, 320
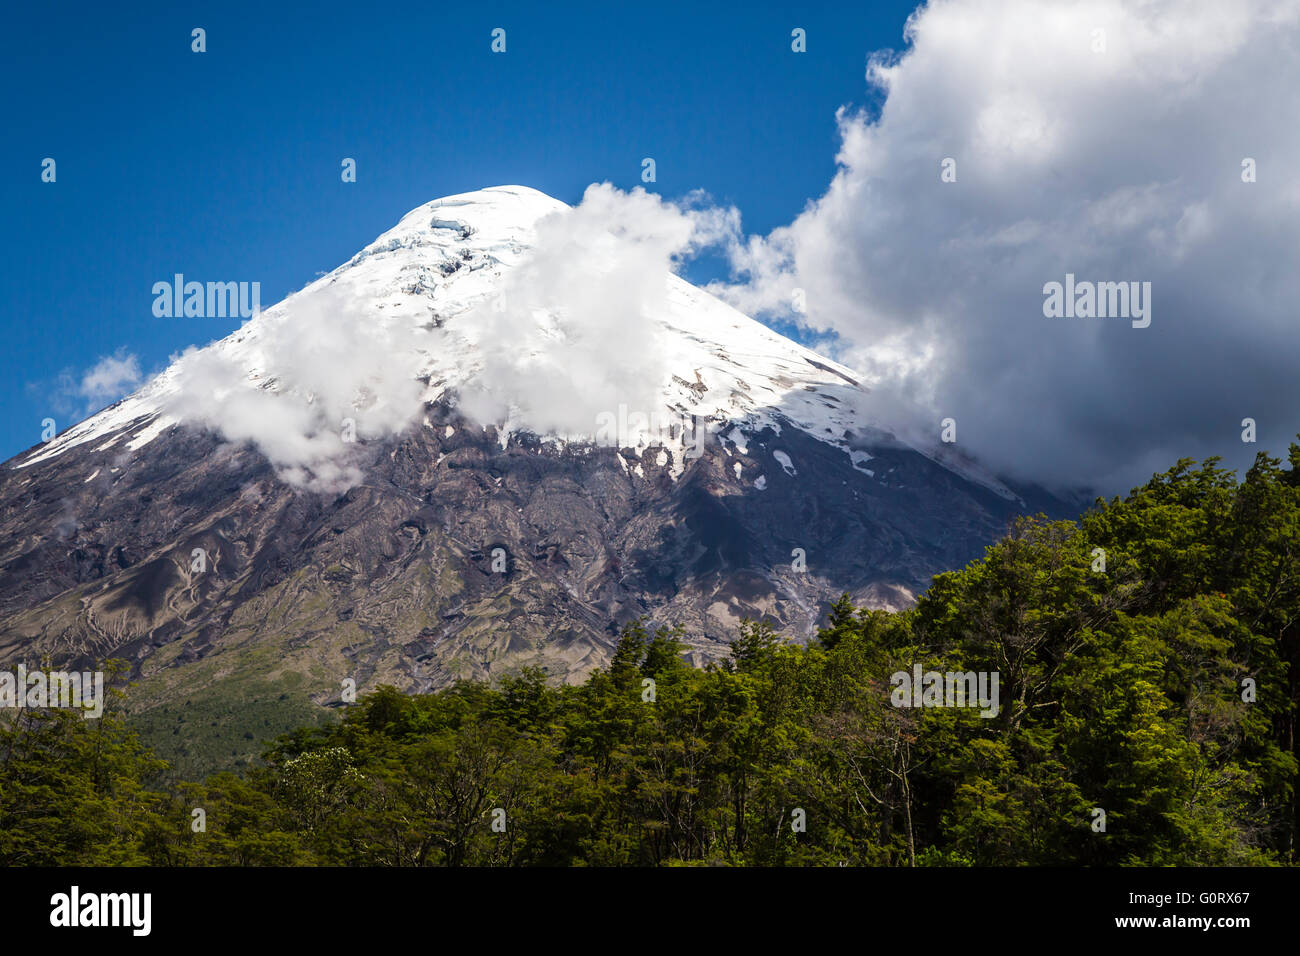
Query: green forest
1148, 658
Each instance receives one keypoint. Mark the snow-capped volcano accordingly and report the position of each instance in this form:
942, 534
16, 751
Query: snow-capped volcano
462, 452
432, 300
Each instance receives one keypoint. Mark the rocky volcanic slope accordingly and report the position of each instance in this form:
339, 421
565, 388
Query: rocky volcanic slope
398, 580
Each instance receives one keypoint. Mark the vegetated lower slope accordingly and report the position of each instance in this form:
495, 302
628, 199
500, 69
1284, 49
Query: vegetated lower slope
1147, 716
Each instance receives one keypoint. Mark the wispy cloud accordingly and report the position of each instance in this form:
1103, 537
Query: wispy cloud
110, 378
76, 394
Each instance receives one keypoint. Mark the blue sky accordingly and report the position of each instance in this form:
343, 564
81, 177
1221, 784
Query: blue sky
225, 165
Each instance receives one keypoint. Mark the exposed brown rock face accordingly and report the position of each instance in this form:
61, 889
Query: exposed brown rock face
456, 558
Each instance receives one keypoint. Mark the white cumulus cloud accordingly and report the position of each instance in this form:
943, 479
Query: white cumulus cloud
1101, 138
575, 330
340, 372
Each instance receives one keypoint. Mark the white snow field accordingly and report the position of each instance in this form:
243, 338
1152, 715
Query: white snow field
421, 286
